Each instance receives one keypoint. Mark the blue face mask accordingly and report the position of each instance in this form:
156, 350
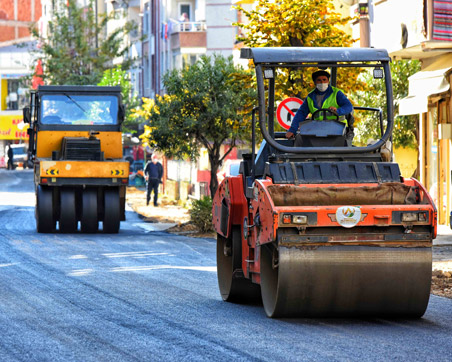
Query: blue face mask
322, 87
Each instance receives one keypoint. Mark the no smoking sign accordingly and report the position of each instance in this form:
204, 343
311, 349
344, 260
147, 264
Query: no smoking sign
286, 111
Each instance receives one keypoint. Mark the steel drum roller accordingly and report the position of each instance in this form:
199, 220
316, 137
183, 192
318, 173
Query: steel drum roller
345, 280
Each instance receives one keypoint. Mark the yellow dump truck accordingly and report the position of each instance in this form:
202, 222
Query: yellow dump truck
76, 148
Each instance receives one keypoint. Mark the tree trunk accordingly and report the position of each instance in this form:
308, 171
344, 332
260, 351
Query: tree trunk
214, 166
215, 162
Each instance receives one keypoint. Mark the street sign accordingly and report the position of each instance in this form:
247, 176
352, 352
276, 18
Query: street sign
286, 111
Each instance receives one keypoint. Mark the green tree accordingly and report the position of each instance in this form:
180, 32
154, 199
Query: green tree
77, 48
118, 76
404, 134
205, 106
298, 23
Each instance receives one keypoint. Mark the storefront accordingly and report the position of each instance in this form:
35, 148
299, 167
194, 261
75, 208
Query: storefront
429, 96
14, 92
12, 131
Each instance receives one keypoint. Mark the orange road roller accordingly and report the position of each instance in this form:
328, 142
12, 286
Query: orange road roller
321, 227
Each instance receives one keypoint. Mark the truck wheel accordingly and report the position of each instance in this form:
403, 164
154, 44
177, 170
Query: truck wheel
233, 286
112, 214
45, 220
89, 222
68, 215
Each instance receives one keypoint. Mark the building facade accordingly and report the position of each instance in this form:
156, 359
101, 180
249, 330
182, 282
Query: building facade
423, 31
16, 42
176, 33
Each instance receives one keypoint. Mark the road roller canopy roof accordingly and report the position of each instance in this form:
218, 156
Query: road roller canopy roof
66, 107
290, 55
268, 62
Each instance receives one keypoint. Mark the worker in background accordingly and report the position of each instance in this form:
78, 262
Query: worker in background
323, 96
153, 172
10, 154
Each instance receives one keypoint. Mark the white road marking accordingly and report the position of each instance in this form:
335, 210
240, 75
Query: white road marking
79, 272
159, 267
133, 254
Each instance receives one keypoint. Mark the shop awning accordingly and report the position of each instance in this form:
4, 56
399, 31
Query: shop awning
430, 80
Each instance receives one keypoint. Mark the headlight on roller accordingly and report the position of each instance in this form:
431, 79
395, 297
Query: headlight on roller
294, 219
423, 216
299, 219
414, 216
409, 216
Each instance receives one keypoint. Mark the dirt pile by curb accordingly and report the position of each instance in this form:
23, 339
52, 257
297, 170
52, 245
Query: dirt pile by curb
442, 283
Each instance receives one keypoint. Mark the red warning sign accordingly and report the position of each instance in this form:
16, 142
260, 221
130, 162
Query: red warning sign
286, 111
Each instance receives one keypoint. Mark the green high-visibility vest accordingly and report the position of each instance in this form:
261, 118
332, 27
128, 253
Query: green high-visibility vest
327, 103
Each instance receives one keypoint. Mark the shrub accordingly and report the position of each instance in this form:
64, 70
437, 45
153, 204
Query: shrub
201, 214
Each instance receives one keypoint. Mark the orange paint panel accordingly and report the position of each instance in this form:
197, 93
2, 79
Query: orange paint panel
372, 214
265, 207
238, 202
84, 169
216, 207
48, 141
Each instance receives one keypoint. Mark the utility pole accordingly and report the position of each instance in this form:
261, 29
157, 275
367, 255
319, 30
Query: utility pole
364, 24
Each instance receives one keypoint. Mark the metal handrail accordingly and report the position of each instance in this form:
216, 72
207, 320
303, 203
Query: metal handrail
189, 26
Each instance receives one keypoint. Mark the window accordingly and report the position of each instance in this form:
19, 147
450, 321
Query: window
146, 76
79, 109
189, 59
153, 18
185, 9
146, 19
17, 94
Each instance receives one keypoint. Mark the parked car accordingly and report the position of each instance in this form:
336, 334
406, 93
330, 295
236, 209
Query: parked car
20, 155
230, 168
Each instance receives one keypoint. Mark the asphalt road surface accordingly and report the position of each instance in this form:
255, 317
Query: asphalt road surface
144, 295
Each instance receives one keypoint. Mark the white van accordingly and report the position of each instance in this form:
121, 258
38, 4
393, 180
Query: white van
20, 155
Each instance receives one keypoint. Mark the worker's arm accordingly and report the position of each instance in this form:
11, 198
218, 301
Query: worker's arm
300, 116
345, 106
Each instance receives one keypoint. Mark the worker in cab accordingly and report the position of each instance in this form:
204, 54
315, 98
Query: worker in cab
323, 96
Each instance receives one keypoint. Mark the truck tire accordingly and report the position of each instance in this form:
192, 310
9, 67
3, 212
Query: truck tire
68, 215
112, 214
89, 222
44, 211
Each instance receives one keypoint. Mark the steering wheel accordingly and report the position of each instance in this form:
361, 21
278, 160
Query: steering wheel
325, 111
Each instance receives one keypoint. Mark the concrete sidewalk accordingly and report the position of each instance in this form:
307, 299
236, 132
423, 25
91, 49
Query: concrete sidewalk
444, 236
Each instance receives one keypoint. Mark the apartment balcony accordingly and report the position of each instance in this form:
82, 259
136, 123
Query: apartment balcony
188, 35
427, 33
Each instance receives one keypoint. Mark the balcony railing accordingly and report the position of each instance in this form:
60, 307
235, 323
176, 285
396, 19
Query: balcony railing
189, 26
